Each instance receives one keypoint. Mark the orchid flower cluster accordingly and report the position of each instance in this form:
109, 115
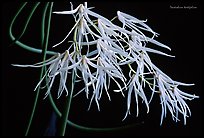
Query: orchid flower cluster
108, 48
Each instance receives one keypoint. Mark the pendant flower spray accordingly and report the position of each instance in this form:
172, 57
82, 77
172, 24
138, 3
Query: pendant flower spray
108, 49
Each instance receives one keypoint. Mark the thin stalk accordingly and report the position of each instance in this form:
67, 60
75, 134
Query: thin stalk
27, 21
85, 128
65, 114
42, 69
27, 47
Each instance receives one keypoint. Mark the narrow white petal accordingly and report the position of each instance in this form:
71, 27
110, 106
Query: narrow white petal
68, 12
68, 33
70, 67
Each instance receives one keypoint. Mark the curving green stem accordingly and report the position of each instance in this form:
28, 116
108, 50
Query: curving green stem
85, 128
65, 114
44, 57
27, 21
15, 40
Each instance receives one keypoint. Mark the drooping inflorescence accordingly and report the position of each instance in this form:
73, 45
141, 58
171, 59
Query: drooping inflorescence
108, 48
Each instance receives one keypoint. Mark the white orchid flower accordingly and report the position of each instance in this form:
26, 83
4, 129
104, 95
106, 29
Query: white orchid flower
114, 46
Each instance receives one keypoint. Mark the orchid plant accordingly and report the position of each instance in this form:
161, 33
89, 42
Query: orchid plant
96, 56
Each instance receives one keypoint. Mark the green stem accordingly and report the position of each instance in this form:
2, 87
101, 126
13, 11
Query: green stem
16, 39
42, 69
27, 21
85, 128
48, 30
34, 106
63, 121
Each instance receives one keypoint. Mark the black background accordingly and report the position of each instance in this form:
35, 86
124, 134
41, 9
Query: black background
180, 29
